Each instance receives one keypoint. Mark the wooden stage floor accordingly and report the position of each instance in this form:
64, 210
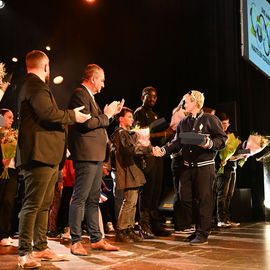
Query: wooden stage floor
245, 247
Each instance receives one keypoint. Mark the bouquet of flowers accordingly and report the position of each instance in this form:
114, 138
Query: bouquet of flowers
255, 143
143, 135
3, 85
230, 148
8, 139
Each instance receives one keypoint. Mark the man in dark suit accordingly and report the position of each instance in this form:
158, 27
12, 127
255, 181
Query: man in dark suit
41, 148
87, 144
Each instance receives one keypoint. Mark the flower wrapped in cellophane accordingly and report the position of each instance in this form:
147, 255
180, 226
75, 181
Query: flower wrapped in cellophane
230, 148
3, 85
9, 139
255, 144
143, 135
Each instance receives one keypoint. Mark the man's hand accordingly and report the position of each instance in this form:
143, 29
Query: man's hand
110, 110
207, 143
157, 152
120, 106
81, 117
6, 161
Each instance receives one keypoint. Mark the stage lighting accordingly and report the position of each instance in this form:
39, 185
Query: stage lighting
90, 1
58, 80
14, 59
48, 48
2, 4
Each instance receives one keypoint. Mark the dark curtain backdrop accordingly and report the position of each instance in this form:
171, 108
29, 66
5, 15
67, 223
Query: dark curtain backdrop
174, 45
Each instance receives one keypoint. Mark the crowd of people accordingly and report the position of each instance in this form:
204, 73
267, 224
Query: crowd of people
64, 151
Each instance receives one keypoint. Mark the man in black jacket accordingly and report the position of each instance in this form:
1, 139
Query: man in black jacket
198, 173
41, 147
153, 171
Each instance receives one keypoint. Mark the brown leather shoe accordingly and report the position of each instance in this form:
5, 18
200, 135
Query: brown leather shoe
78, 249
48, 255
27, 261
102, 244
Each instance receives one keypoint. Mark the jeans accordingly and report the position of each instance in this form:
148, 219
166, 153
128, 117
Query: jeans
85, 200
225, 186
40, 180
128, 210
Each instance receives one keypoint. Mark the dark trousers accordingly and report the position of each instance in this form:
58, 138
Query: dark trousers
85, 200
8, 190
62, 217
40, 180
196, 187
181, 220
151, 191
225, 186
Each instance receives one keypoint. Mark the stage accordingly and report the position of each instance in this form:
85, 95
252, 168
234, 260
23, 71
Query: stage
244, 247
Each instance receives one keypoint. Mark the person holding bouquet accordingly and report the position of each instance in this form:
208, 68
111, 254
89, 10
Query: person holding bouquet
3, 84
226, 174
128, 147
8, 178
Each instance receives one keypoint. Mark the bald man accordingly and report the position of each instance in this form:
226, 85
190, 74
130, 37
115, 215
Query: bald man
41, 148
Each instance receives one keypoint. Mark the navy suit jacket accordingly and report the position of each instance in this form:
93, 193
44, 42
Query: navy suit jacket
87, 141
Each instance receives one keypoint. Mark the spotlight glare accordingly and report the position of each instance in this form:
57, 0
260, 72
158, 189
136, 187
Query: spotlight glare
2, 4
48, 48
14, 59
90, 1
58, 80
267, 203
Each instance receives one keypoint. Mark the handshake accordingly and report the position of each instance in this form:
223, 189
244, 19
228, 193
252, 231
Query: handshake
157, 152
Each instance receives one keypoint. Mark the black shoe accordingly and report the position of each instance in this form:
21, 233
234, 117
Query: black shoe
145, 232
123, 236
190, 237
158, 230
199, 240
133, 235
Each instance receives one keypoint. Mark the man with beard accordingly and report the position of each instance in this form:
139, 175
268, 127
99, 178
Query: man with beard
153, 171
41, 148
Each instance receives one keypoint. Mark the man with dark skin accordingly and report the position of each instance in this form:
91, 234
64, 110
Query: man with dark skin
153, 171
